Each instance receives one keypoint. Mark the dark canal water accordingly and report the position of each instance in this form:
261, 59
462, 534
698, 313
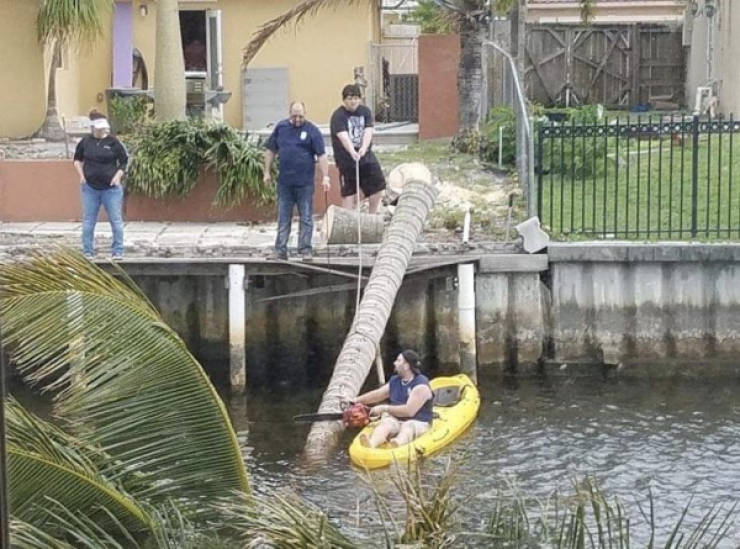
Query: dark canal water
678, 438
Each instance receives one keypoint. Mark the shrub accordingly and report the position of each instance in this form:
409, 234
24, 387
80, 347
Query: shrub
499, 117
127, 114
432, 18
168, 157
575, 157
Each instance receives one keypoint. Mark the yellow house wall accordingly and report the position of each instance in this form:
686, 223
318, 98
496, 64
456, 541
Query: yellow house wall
81, 84
23, 95
320, 54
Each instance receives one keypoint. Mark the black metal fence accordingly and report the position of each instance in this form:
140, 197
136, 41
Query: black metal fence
651, 178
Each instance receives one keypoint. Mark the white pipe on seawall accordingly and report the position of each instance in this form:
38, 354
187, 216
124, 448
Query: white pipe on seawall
466, 227
237, 323
466, 319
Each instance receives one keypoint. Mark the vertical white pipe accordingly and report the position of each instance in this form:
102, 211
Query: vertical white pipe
466, 227
500, 147
466, 319
237, 322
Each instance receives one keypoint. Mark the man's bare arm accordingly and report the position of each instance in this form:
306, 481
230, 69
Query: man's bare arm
268, 156
381, 393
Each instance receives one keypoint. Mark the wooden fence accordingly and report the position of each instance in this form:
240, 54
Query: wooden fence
617, 65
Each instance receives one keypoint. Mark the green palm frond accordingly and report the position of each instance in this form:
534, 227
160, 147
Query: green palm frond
86, 532
45, 463
122, 377
25, 535
293, 15
283, 520
71, 20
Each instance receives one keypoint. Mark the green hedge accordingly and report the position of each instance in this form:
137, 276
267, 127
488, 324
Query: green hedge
167, 158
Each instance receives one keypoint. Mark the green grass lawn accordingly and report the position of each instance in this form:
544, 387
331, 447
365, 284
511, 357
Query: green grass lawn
644, 189
464, 180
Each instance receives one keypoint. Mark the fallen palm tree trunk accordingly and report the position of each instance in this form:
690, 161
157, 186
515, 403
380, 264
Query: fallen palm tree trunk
358, 352
340, 226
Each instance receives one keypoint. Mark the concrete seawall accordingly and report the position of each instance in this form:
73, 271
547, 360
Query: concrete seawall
622, 303
672, 307
661, 305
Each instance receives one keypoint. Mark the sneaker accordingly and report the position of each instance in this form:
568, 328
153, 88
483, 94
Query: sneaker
307, 255
278, 256
89, 257
116, 257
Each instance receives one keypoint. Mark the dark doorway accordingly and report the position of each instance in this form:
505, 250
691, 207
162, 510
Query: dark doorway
193, 31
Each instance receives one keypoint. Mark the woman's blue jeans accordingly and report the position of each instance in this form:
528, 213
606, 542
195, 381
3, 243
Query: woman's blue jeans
112, 201
288, 197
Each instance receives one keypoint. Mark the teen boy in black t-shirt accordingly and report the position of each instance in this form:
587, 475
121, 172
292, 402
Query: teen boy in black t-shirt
351, 138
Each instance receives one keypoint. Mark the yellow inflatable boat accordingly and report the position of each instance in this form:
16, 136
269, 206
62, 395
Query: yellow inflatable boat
456, 403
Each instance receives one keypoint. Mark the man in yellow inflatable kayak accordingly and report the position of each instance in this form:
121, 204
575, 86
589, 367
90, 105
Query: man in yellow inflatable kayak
409, 413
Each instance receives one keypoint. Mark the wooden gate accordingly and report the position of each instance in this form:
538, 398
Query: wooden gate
617, 66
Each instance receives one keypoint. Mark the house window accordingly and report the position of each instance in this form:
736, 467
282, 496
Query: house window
193, 31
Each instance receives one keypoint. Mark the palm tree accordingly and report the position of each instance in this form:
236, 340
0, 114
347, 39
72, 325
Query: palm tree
59, 24
139, 423
358, 351
472, 22
169, 77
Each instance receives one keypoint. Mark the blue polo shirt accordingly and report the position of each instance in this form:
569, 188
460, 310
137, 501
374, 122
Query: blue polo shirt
297, 148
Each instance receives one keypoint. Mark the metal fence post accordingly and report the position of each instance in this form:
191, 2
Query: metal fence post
539, 169
694, 173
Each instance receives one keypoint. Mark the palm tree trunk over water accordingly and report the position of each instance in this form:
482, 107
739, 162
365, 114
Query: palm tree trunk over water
52, 128
358, 352
470, 71
169, 71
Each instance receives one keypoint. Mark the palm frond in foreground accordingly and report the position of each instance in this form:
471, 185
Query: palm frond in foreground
123, 380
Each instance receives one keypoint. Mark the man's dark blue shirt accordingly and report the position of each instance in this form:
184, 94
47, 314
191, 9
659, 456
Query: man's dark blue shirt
297, 148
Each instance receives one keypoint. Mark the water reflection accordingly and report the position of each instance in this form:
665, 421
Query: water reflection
676, 437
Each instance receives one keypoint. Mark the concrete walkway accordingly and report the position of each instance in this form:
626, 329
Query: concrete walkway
148, 238
196, 240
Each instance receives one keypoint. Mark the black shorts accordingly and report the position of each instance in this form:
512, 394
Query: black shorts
372, 179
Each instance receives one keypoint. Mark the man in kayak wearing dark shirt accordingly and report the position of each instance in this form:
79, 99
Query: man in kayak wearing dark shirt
351, 140
409, 413
300, 145
100, 160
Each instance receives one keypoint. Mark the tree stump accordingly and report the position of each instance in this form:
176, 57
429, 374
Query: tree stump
340, 226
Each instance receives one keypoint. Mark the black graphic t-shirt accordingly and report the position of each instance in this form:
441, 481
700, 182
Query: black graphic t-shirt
101, 159
354, 123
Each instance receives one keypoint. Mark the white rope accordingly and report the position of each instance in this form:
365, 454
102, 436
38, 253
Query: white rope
359, 235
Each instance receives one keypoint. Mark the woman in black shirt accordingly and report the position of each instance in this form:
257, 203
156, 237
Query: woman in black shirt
100, 160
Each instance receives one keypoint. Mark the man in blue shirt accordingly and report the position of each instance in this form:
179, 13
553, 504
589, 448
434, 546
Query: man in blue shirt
409, 414
299, 144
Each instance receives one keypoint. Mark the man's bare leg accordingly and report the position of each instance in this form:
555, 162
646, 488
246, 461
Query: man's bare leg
375, 202
406, 434
385, 429
349, 202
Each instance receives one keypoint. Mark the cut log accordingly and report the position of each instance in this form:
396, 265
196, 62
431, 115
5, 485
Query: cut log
340, 226
356, 357
398, 177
